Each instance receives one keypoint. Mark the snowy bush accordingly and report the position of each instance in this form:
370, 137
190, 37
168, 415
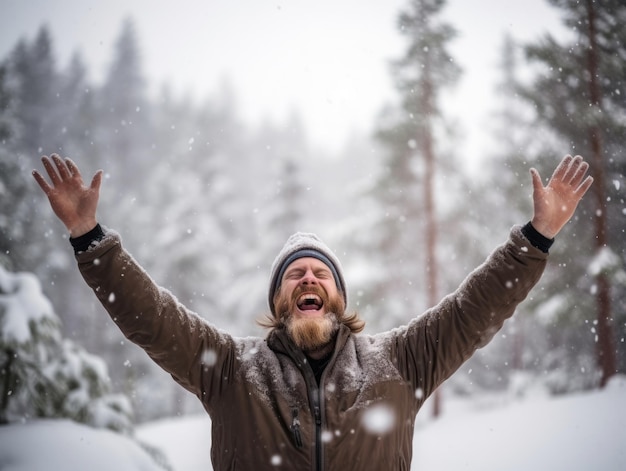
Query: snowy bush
44, 375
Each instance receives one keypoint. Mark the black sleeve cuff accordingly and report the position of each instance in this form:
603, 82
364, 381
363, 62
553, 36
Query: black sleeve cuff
82, 243
536, 239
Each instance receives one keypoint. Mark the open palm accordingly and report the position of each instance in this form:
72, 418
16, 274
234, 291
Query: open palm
555, 203
74, 203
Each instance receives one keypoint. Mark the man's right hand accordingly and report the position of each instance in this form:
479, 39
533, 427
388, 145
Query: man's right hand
74, 203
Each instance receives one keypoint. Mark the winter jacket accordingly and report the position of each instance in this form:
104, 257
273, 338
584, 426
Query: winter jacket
266, 408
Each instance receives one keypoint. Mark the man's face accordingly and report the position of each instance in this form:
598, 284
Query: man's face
310, 303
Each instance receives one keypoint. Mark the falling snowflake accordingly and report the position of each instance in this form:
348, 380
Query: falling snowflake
379, 419
209, 357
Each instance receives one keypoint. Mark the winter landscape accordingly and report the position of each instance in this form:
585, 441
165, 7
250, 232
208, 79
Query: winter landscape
579, 432
524, 428
222, 133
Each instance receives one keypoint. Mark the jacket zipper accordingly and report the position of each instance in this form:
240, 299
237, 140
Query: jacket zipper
318, 395
295, 428
316, 398
319, 451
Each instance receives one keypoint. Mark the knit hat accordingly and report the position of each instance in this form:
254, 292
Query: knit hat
300, 245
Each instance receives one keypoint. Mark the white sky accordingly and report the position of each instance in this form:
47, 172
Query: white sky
326, 58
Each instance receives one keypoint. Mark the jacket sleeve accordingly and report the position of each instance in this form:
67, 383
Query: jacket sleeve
197, 355
433, 346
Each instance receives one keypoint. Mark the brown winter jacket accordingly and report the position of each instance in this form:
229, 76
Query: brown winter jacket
266, 409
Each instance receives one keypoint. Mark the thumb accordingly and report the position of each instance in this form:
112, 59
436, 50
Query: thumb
536, 178
96, 181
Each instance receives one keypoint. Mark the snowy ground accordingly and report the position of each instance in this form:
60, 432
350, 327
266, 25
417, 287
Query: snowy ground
51, 445
575, 433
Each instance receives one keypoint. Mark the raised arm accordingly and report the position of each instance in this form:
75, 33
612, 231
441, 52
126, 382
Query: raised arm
555, 203
449, 333
74, 203
148, 315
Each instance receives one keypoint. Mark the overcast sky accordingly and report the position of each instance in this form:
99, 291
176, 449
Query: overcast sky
326, 58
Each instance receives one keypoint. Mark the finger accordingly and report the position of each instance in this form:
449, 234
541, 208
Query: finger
61, 167
96, 181
584, 186
52, 173
43, 184
573, 167
71, 166
536, 179
561, 169
579, 174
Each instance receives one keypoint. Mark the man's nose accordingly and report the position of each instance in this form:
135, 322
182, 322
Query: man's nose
308, 278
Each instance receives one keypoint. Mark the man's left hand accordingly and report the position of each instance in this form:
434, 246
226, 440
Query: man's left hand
555, 203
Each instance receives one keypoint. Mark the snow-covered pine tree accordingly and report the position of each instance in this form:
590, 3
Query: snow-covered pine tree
41, 373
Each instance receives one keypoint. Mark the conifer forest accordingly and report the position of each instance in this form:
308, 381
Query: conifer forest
204, 200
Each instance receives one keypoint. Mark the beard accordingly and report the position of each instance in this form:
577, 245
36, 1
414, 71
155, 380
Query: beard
310, 333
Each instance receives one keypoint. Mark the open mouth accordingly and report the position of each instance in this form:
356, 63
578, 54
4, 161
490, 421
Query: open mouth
310, 302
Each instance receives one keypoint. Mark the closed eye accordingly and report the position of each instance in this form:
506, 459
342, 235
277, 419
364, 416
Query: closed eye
322, 274
294, 274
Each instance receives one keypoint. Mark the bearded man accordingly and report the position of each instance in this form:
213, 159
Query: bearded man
308, 396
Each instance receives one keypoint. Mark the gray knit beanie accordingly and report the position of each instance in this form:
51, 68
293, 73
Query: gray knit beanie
300, 245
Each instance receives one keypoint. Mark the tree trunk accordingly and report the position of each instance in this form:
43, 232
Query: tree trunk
428, 153
605, 349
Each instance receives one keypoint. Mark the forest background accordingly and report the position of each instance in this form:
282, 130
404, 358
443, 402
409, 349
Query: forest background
204, 200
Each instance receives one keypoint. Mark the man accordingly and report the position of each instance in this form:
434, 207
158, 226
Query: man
313, 394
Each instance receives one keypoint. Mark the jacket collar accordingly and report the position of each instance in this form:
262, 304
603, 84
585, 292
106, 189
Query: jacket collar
279, 342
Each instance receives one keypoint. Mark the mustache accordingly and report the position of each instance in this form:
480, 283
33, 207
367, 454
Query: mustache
317, 290
285, 305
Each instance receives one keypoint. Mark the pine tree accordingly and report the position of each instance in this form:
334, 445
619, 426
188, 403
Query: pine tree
286, 159
44, 375
408, 186
124, 127
577, 95
33, 86
34, 67
79, 115
8, 122
20, 221
12, 187
404, 189
515, 356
